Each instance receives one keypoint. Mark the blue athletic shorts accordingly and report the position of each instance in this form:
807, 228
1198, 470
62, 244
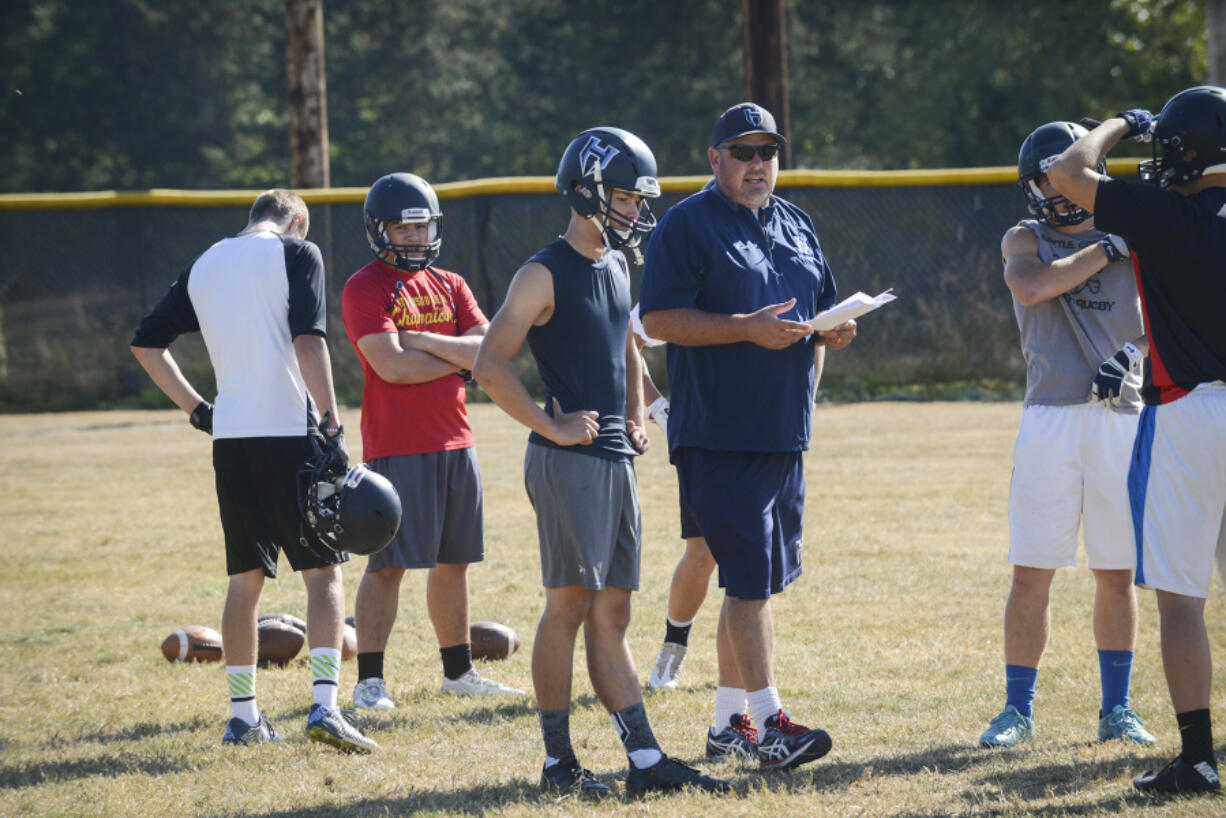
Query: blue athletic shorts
689, 526
750, 506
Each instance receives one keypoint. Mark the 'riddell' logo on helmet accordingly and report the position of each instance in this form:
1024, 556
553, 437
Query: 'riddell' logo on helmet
415, 213
596, 156
754, 117
1044, 164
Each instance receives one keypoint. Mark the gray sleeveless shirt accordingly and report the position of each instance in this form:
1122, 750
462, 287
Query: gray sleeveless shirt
1065, 339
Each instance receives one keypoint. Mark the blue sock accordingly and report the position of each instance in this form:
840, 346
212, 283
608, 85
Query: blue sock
1115, 669
1019, 688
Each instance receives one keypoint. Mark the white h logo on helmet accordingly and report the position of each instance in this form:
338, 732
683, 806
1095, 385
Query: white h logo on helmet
596, 156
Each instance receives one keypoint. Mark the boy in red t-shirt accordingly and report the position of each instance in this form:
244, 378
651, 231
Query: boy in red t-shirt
416, 330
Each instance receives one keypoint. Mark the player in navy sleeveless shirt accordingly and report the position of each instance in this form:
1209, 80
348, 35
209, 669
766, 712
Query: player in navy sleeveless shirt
571, 301
1175, 222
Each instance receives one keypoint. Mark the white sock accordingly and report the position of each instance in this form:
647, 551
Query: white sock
729, 701
325, 673
677, 624
647, 757
764, 704
241, 680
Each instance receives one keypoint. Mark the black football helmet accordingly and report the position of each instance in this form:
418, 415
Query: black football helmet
1038, 152
1190, 132
599, 160
403, 198
357, 511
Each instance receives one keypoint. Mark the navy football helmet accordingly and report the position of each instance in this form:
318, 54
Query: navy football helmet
403, 198
356, 510
1038, 152
599, 160
1190, 131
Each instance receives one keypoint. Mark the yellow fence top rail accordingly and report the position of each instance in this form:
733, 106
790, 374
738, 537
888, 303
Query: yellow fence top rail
509, 185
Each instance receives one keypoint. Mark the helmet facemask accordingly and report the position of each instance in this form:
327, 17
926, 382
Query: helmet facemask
618, 232
1054, 210
409, 257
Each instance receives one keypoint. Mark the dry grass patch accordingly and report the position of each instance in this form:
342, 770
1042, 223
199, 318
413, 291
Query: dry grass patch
891, 640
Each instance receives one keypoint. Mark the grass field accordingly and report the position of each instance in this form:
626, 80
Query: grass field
891, 640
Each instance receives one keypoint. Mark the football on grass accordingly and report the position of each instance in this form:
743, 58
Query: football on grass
288, 619
492, 640
278, 642
192, 643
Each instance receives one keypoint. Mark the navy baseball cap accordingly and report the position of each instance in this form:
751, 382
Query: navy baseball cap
743, 120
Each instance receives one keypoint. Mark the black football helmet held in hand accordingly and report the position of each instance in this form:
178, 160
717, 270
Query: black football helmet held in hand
1038, 152
595, 163
357, 510
1189, 138
403, 198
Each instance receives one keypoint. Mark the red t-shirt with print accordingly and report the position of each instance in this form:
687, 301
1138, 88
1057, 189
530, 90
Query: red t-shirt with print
415, 418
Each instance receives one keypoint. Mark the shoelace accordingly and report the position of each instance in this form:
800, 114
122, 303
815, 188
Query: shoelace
785, 725
743, 727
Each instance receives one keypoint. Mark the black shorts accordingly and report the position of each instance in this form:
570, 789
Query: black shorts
257, 495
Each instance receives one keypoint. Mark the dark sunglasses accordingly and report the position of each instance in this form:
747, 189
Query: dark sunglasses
744, 153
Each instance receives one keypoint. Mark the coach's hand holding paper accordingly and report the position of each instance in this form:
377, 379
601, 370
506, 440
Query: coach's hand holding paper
851, 307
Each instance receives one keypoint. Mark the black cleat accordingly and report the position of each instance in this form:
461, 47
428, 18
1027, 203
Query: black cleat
783, 744
1180, 776
669, 775
567, 778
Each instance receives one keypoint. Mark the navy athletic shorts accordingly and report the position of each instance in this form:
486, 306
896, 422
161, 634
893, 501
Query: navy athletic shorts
750, 506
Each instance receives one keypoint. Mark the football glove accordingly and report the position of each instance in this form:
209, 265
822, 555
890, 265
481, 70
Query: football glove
1115, 248
332, 444
1140, 122
657, 413
202, 417
1110, 378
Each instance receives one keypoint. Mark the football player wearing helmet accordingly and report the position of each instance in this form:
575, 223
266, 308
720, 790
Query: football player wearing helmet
1174, 219
571, 302
733, 274
258, 300
416, 328
1077, 310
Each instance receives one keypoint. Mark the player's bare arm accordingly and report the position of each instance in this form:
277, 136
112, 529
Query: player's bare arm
1074, 174
459, 350
695, 328
395, 363
316, 366
165, 372
529, 303
636, 421
1031, 280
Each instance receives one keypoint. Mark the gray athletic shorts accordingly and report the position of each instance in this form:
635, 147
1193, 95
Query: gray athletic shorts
587, 518
440, 493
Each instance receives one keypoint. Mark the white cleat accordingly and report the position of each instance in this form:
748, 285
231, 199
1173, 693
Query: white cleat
667, 672
371, 694
471, 684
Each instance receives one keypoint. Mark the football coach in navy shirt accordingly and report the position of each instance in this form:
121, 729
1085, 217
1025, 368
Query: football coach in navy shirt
732, 274
1174, 220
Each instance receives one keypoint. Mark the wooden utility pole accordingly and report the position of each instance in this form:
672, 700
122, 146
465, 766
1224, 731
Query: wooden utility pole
766, 63
1215, 35
308, 94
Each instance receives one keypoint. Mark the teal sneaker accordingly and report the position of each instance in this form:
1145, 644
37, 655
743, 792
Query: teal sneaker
1123, 723
1007, 729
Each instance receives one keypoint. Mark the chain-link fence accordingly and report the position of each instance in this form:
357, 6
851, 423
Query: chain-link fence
75, 280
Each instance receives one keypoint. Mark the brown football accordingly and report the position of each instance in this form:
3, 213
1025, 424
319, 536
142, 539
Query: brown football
278, 642
288, 619
349, 644
492, 640
193, 643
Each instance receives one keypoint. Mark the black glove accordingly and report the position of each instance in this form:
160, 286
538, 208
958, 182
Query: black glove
1110, 377
1140, 121
202, 417
332, 444
1115, 248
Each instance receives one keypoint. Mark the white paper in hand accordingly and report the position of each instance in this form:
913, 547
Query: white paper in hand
853, 306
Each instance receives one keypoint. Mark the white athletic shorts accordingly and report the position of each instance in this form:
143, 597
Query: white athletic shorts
1177, 487
1070, 463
